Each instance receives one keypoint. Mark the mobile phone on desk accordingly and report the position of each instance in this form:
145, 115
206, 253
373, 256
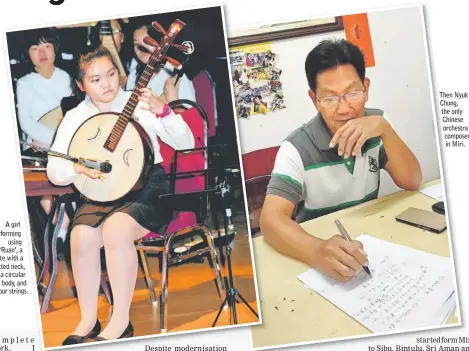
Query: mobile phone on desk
427, 220
439, 207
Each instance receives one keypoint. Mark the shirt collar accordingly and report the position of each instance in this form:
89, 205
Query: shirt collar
117, 105
321, 135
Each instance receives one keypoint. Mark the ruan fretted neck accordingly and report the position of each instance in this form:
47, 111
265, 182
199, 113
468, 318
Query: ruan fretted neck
157, 59
119, 127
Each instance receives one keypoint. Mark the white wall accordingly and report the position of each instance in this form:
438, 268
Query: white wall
399, 86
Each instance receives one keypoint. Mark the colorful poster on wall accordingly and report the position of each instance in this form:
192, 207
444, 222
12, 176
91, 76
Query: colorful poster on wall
256, 80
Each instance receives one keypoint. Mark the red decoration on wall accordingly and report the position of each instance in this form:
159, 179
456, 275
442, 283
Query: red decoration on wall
357, 31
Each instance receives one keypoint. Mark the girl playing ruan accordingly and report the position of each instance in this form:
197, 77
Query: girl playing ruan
118, 225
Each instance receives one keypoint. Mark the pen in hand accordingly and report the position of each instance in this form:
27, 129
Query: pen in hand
345, 235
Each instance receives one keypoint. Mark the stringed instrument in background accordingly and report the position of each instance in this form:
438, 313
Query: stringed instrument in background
53, 118
107, 40
128, 156
178, 70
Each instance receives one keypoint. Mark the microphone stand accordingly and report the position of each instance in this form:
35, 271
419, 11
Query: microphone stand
231, 294
104, 167
230, 298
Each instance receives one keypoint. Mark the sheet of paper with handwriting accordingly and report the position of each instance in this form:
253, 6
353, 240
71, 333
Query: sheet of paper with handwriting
407, 289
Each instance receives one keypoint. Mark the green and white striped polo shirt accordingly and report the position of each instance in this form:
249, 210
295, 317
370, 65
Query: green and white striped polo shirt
306, 168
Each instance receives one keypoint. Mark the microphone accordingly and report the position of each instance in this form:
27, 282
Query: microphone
104, 167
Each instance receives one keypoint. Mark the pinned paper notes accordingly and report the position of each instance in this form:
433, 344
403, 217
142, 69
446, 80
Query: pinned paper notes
407, 289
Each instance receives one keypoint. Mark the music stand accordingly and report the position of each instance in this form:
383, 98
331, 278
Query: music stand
231, 294
222, 188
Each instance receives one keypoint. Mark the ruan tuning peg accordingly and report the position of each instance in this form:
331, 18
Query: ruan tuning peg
150, 41
158, 27
175, 63
182, 48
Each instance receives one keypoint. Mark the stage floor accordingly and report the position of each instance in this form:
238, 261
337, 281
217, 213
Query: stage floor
193, 301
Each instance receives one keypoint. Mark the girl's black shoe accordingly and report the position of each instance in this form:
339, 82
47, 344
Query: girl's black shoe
128, 333
77, 339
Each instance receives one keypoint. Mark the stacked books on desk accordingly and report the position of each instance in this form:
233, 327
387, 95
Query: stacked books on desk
408, 288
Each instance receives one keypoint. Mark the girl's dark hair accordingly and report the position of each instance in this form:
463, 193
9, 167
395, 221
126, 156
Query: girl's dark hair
140, 65
40, 36
332, 53
84, 60
89, 56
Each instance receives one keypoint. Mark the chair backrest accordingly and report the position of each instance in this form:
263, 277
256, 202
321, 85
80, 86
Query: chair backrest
189, 161
260, 162
205, 96
258, 166
195, 160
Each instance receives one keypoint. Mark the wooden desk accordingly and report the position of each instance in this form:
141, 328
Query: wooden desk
36, 183
292, 313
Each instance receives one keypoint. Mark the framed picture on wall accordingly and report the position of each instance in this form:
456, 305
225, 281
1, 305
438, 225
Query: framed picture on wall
285, 30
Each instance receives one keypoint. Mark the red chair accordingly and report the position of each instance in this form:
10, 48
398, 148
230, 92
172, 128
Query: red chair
258, 166
204, 87
186, 185
184, 223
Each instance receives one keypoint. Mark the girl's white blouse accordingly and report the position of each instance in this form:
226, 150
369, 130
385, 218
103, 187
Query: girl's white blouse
171, 129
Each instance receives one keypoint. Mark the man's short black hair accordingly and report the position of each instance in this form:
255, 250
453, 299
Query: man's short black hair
331, 53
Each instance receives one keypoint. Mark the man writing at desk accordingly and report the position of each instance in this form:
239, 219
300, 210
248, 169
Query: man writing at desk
333, 162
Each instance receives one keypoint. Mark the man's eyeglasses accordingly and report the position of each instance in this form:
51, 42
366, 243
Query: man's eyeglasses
333, 101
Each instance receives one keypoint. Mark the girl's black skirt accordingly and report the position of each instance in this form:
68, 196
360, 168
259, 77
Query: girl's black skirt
143, 205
